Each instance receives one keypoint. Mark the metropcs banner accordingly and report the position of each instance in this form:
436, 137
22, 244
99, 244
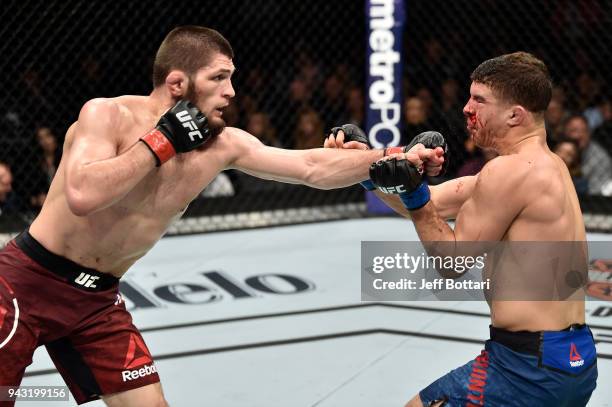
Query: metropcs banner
384, 44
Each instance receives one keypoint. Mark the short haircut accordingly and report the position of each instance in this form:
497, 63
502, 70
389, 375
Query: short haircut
575, 116
188, 48
517, 78
565, 139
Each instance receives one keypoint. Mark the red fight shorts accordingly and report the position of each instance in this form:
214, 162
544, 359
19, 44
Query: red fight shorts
77, 313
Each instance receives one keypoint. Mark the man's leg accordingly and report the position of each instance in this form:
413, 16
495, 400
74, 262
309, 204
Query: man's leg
18, 337
416, 402
107, 358
150, 395
462, 386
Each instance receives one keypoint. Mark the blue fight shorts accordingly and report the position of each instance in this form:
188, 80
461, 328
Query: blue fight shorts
550, 368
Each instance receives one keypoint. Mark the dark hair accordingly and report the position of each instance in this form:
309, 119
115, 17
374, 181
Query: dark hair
574, 116
564, 139
188, 48
519, 78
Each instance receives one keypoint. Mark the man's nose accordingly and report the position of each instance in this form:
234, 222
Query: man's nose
229, 91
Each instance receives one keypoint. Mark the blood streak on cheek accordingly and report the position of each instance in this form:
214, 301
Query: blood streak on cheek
479, 121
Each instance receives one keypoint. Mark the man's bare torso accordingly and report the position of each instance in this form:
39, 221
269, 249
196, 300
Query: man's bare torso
551, 214
112, 239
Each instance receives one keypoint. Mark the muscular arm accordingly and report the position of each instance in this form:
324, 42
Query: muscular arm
447, 197
96, 177
318, 167
486, 215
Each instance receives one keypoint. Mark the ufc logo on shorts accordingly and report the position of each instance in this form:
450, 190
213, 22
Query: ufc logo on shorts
86, 280
392, 190
185, 118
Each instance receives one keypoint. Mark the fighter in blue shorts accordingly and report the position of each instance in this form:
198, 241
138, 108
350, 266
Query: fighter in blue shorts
556, 368
540, 352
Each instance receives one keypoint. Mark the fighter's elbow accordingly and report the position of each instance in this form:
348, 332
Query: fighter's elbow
78, 202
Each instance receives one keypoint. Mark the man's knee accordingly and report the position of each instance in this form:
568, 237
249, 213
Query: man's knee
146, 396
415, 402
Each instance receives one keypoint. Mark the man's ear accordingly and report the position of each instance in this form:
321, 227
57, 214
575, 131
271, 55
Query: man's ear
517, 115
177, 83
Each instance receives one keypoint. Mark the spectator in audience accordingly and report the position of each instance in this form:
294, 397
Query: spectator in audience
596, 115
587, 88
603, 133
449, 120
9, 201
308, 71
249, 105
309, 130
298, 97
51, 152
559, 94
435, 61
258, 124
93, 83
256, 86
255, 83
36, 94
415, 116
555, 117
333, 104
427, 99
569, 152
37, 176
596, 163
476, 158
300, 94
450, 103
355, 106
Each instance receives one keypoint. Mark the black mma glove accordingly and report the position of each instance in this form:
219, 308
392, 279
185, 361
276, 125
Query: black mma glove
354, 133
430, 139
181, 129
400, 177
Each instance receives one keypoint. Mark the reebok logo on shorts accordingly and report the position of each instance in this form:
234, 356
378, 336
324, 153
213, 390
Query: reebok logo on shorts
137, 355
574, 357
138, 373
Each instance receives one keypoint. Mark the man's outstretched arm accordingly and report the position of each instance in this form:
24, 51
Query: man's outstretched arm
319, 168
447, 197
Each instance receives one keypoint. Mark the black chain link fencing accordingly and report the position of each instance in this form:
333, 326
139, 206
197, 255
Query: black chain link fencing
301, 69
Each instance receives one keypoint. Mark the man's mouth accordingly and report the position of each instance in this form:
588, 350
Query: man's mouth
219, 110
471, 122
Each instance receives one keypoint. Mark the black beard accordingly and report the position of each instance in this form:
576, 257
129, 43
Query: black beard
214, 128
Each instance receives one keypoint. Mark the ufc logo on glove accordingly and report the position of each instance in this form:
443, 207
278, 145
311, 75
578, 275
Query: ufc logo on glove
185, 119
393, 190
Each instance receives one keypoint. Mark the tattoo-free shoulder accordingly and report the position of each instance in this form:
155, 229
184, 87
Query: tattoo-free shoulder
516, 173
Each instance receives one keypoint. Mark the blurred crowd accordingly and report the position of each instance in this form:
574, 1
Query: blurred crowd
314, 97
